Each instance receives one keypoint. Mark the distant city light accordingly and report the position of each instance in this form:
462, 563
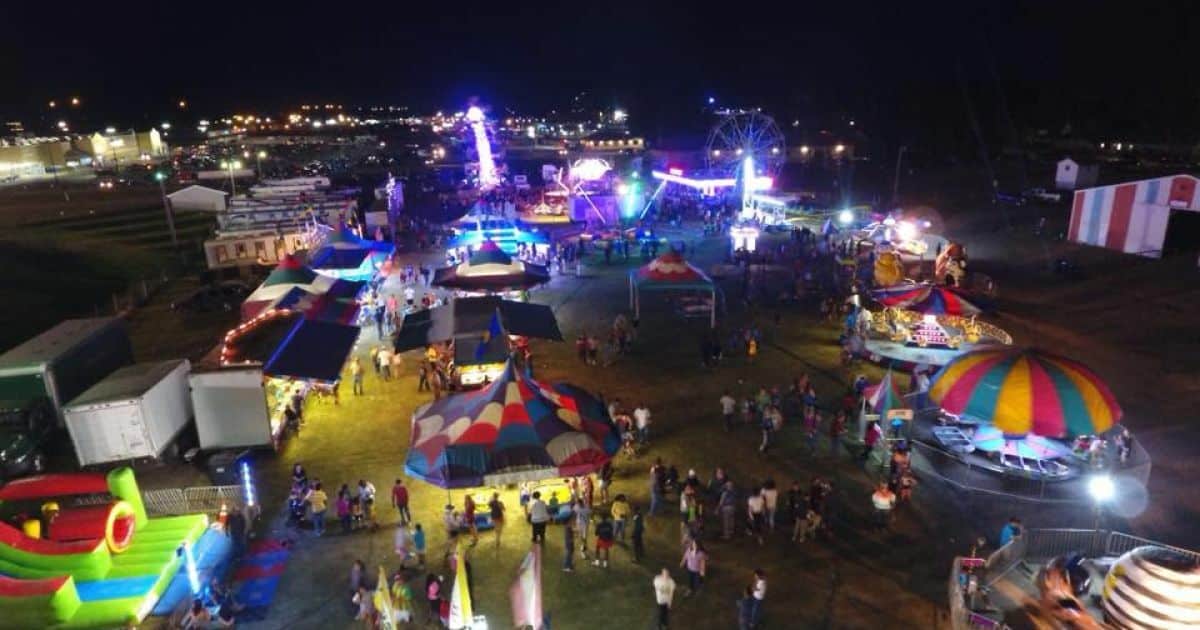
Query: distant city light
711, 100
851, 123
110, 130
165, 125
52, 104
775, 150
618, 115
804, 150
75, 101
839, 148
182, 104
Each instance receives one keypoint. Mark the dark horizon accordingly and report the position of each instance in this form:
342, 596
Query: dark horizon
1103, 69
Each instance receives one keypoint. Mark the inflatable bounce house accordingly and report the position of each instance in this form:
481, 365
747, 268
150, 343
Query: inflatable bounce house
101, 565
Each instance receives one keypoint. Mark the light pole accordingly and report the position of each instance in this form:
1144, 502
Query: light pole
1103, 490
259, 158
160, 177
232, 186
896, 179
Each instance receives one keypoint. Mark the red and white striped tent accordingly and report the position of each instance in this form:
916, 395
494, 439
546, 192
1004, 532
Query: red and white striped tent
1132, 217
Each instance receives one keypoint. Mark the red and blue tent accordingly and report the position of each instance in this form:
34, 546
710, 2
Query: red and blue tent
515, 429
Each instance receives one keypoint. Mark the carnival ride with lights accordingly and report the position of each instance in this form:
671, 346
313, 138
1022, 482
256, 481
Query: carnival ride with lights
1022, 412
488, 177
742, 134
98, 565
920, 323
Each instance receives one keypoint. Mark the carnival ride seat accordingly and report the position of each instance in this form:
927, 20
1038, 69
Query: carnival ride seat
953, 439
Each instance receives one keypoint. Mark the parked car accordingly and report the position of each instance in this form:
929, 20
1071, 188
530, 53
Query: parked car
25, 428
224, 296
1041, 194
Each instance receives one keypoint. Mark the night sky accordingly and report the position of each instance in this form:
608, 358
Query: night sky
1103, 67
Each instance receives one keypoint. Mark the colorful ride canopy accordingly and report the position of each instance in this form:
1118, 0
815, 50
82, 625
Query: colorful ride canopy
490, 269
513, 430
1026, 391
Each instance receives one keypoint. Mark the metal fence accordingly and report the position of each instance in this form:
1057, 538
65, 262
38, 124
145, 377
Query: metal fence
1036, 544
178, 501
963, 473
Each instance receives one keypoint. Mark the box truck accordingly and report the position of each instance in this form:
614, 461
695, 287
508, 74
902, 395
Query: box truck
231, 408
62, 362
134, 413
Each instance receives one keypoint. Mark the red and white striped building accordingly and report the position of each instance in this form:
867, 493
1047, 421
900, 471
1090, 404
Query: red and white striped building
1132, 217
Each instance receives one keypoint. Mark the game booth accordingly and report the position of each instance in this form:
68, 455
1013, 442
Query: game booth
513, 431
670, 272
97, 563
1025, 413
298, 356
478, 333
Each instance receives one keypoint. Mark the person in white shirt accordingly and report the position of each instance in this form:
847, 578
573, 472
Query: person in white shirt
760, 595
770, 495
756, 509
539, 515
410, 295
384, 358
664, 593
728, 407
883, 500
641, 418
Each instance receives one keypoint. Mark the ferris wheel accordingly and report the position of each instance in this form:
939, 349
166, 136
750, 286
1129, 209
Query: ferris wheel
741, 134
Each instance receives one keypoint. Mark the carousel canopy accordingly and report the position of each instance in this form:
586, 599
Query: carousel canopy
899, 295
490, 269
513, 430
943, 301
1024, 391
466, 316
343, 249
290, 271
670, 271
292, 282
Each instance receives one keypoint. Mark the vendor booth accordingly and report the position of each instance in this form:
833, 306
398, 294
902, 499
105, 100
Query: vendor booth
347, 256
670, 272
468, 323
297, 355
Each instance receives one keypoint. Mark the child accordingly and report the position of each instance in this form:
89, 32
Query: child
356, 512
907, 481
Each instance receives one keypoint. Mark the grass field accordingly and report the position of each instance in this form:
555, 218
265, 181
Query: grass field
67, 259
853, 580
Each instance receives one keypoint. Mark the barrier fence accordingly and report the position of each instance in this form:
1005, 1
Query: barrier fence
179, 501
1033, 545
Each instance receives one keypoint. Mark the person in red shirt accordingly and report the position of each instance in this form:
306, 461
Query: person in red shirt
469, 518
400, 501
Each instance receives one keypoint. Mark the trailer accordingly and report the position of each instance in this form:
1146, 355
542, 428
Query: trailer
62, 362
231, 408
134, 413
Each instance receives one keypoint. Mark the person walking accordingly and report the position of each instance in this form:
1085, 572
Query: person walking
569, 548
400, 501
343, 509
469, 518
745, 609
870, 439
641, 417
727, 507
637, 533
759, 593
496, 511
418, 538
604, 540
620, 513
695, 562
837, 427
356, 376
771, 502
319, 502
883, 500
385, 363
423, 377
756, 511
664, 593
539, 515
657, 476
582, 514
728, 407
